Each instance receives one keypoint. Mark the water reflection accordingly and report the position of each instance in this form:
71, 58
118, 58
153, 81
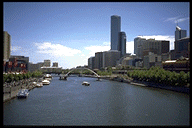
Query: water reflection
102, 103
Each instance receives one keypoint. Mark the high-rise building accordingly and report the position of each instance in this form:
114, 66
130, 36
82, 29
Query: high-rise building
106, 58
91, 62
6, 46
110, 58
156, 46
99, 61
122, 44
179, 33
182, 47
138, 46
115, 30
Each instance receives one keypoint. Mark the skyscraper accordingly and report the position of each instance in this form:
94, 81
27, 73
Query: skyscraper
179, 33
115, 30
122, 44
6, 46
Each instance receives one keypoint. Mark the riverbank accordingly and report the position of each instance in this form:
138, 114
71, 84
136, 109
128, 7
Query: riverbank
124, 79
10, 90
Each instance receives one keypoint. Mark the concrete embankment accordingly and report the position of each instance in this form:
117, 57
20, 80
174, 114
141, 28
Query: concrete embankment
10, 90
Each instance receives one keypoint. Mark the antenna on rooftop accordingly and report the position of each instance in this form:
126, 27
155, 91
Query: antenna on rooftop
177, 22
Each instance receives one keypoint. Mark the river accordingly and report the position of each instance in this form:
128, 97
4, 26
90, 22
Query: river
102, 103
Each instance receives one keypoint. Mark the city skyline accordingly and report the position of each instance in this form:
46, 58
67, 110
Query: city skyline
70, 33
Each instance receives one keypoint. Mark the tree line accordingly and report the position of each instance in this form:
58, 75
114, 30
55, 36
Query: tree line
16, 77
159, 75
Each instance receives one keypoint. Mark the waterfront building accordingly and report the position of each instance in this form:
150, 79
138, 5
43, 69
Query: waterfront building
47, 63
6, 46
18, 63
138, 46
143, 46
182, 48
55, 64
99, 63
179, 33
106, 58
177, 65
91, 62
152, 60
110, 58
156, 46
50, 70
122, 44
115, 30
35, 67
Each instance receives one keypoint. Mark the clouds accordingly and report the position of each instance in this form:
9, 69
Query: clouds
97, 48
56, 49
15, 48
176, 19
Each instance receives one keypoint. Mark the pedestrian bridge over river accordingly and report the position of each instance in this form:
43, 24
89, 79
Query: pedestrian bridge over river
64, 77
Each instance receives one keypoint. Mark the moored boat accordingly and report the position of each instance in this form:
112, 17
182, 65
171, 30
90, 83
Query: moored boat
39, 84
46, 82
23, 93
48, 77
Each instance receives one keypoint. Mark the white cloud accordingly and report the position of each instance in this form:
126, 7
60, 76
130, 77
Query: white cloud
97, 48
182, 19
56, 49
15, 48
176, 19
170, 38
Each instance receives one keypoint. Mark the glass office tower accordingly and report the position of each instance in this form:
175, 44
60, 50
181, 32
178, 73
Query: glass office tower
115, 30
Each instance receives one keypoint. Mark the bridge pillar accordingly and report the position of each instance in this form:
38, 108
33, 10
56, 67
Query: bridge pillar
98, 78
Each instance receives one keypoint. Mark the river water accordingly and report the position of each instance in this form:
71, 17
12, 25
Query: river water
102, 103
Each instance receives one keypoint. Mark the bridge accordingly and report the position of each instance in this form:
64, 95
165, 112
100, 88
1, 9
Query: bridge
64, 77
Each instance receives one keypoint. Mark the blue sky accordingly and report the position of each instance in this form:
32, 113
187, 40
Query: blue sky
69, 33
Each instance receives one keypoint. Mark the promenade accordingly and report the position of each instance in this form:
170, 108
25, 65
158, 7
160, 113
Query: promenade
10, 90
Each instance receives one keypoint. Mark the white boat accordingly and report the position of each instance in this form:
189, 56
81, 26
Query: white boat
46, 82
23, 93
48, 77
39, 84
85, 83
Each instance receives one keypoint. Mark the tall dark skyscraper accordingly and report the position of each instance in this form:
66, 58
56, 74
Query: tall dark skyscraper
122, 44
115, 30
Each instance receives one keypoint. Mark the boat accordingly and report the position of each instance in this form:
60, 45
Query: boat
46, 82
23, 93
48, 77
85, 83
39, 84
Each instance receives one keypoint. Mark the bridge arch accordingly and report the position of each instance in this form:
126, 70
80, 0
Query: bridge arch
82, 68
